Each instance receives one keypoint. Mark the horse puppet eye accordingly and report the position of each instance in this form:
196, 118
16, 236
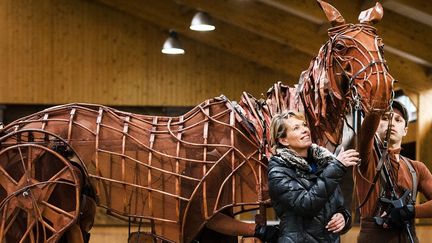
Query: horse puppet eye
339, 47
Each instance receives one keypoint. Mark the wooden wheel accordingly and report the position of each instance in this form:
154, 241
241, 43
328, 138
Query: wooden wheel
39, 194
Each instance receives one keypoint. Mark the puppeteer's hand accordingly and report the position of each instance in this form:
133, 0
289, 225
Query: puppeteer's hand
348, 158
267, 233
398, 216
336, 223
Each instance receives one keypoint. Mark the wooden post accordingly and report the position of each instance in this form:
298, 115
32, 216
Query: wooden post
424, 134
424, 123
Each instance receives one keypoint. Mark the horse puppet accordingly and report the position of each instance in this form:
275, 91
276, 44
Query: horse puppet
177, 175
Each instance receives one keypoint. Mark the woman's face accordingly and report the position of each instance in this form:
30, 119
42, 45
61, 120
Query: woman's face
298, 135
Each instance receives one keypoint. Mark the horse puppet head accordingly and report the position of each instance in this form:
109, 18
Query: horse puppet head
349, 70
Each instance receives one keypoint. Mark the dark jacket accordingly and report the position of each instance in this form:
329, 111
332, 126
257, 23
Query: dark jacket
305, 199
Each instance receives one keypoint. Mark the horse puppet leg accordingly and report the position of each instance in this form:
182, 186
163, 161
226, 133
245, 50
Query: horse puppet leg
79, 232
74, 235
41, 192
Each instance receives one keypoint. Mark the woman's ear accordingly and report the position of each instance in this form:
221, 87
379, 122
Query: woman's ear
284, 142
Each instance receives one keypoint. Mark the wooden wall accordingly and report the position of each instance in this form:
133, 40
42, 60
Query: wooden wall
60, 51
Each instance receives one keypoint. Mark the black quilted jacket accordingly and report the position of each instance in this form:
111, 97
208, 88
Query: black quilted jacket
306, 201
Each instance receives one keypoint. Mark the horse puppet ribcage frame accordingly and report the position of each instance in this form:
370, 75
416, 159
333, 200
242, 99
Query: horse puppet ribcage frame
176, 173
163, 169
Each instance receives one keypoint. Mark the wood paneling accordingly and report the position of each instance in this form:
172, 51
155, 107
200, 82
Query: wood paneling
60, 51
264, 51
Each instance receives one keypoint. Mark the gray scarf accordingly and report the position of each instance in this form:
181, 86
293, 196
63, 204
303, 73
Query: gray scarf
319, 154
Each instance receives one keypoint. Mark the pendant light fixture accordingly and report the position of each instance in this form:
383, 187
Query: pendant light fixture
172, 45
202, 22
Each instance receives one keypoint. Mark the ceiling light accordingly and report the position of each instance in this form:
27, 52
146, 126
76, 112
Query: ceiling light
172, 45
202, 22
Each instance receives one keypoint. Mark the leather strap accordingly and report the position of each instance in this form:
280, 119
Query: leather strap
413, 177
382, 157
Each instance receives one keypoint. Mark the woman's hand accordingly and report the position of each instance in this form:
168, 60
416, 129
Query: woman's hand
348, 158
336, 223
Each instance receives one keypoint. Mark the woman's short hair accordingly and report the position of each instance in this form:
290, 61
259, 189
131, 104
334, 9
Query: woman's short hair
278, 129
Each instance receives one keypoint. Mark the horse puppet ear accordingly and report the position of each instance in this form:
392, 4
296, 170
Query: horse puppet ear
332, 13
372, 15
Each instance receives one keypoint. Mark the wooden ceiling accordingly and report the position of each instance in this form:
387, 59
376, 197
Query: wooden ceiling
285, 34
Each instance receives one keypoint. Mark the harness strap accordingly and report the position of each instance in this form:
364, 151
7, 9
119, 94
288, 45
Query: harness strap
383, 157
373, 62
413, 177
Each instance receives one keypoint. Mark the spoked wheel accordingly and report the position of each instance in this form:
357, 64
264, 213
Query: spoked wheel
39, 194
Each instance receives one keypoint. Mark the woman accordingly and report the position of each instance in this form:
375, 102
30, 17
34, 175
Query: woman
304, 183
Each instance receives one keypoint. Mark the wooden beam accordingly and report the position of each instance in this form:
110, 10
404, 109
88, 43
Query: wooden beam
270, 22
401, 32
312, 10
408, 74
407, 35
423, 6
170, 15
266, 21
257, 38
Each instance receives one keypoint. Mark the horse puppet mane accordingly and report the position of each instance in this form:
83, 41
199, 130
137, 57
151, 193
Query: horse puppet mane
324, 105
316, 95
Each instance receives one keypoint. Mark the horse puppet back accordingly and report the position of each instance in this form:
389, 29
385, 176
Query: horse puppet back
173, 173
